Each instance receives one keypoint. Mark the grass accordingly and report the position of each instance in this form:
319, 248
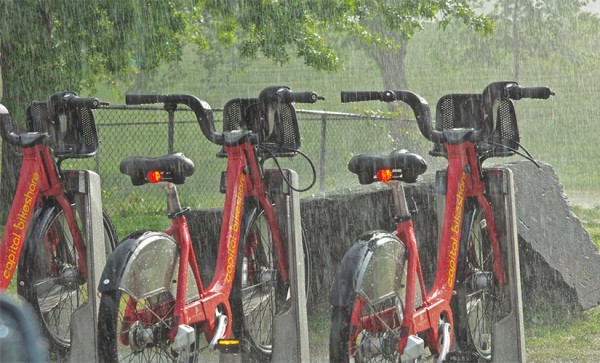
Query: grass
132, 223
566, 337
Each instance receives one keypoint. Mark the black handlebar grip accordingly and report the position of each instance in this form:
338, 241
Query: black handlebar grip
142, 99
299, 97
359, 96
302, 97
517, 92
74, 101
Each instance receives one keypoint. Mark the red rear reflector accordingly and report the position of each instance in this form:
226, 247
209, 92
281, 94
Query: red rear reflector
154, 176
384, 175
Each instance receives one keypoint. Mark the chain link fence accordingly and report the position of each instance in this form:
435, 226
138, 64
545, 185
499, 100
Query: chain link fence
329, 140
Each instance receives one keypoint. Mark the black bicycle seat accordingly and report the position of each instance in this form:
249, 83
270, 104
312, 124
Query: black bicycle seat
173, 167
406, 166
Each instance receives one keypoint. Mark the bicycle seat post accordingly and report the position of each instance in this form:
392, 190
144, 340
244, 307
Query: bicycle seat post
400, 204
173, 204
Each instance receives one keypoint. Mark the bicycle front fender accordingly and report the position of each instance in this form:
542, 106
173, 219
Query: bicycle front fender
143, 264
353, 265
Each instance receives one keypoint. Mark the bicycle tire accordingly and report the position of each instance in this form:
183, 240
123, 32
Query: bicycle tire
146, 338
479, 300
367, 301
257, 295
64, 289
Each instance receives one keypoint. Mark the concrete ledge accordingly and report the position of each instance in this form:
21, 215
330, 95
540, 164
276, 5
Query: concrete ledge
559, 261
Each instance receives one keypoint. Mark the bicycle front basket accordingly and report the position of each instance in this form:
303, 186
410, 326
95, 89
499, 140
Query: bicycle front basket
277, 129
37, 117
505, 137
72, 131
455, 111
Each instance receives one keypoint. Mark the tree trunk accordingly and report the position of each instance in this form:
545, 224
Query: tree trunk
11, 159
391, 64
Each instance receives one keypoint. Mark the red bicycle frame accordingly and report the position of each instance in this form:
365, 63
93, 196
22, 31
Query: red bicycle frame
464, 181
244, 181
468, 129
38, 179
245, 130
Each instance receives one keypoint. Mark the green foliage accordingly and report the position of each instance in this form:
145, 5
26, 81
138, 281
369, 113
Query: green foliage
73, 45
270, 28
525, 32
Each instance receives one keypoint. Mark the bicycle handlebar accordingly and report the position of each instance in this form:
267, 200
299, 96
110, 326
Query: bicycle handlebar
69, 100
494, 92
417, 103
58, 103
201, 109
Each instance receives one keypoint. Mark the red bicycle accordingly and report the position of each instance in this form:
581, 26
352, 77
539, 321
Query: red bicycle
42, 236
154, 305
377, 314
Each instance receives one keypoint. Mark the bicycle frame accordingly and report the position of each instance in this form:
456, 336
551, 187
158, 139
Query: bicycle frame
38, 179
464, 181
247, 142
469, 128
244, 180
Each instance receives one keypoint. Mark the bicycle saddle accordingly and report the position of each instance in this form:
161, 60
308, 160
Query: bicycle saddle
174, 168
406, 166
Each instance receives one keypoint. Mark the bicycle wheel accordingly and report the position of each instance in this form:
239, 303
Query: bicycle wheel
367, 301
258, 293
479, 301
49, 278
135, 316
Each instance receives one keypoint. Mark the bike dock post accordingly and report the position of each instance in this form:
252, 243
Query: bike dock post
86, 186
508, 344
290, 328
508, 336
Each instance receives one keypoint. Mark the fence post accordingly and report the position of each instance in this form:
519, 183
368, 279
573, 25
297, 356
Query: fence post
170, 108
323, 152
